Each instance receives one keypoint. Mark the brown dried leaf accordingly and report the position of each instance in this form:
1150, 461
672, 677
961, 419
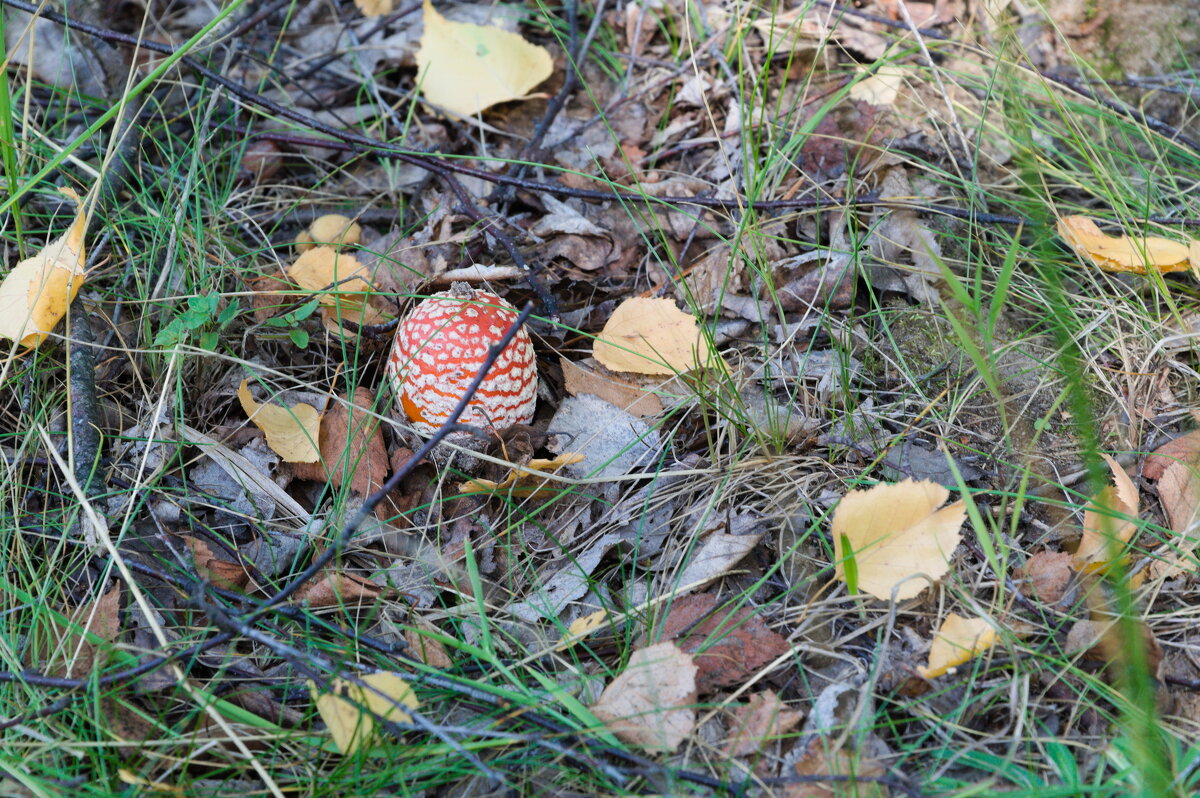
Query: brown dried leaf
1108, 519
223, 573
622, 390
855, 773
351, 444
1184, 449
734, 646
650, 703
272, 293
427, 648
75, 651
1103, 641
336, 588
1048, 573
760, 722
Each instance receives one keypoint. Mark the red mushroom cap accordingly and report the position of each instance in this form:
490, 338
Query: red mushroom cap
439, 348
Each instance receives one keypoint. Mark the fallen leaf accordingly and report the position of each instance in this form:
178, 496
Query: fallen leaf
375, 8
619, 390
36, 293
1110, 518
336, 588
332, 229
857, 775
717, 556
74, 651
1179, 494
895, 532
524, 480
880, 88
651, 336
727, 648
341, 284
466, 69
222, 573
958, 641
1184, 449
650, 703
1046, 576
342, 707
1104, 641
1124, 253
762, 721
425, 646
291, 433
351, 446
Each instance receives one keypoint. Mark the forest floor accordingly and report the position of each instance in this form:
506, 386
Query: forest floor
865, 456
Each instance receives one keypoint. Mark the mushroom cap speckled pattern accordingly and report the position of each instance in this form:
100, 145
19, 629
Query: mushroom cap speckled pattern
439, 348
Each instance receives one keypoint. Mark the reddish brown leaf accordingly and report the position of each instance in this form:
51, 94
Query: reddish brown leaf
73, 651
1047, 575
427, 648
758, 723
734, 647
1184, 449
336, 588
223, 573
351, 444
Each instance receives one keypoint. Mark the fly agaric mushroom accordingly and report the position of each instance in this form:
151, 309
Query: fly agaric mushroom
442, 344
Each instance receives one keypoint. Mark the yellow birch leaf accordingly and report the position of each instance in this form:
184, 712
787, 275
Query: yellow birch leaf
651, 336
465, 69
957, 641
342, 707
522, 480
1124, 253
35, 294
375, 8
332, 229
896, 532
291, 433
1111, 517
345, 290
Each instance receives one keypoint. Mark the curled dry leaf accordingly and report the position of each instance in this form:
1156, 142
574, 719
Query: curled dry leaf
650, 703
1184, 449
291, 433
375, 8
524, 480
351, 446
332, 229
620, 390
727, 647
466, 69
1108, 522
959, 640
1046, 575
1179, 493
895, 532
651, 336
342, 708
1127, 253
345, 292
336, 588
77, 648
35, 294
222, 573
759, 723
